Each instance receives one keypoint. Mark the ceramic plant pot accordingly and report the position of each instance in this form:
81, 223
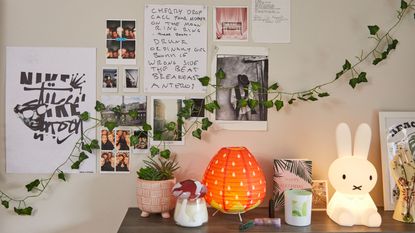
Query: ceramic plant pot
155, 197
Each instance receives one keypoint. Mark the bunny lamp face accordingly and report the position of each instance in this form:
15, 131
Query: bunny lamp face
352, 175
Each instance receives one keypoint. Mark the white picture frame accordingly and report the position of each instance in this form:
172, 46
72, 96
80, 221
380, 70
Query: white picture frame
395, 127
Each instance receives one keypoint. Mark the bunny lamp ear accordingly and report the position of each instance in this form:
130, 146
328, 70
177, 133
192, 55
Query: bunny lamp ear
344, 140
362, 141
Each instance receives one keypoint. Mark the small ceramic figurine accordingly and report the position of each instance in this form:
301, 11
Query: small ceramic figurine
191, 208
353, 177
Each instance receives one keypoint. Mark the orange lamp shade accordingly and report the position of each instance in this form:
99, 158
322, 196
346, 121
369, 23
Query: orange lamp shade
234, 180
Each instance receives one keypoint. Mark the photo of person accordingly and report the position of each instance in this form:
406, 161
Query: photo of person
113, 29
113, 49
241, 71
107, 161
109, 79
122, 139
142, 140
123, 162
107, 140
131, 79
128, 49
128, 29
231, 23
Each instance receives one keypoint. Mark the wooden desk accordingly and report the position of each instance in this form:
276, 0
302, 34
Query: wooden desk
223, 223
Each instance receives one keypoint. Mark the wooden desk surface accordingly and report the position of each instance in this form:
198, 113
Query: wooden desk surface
221, 223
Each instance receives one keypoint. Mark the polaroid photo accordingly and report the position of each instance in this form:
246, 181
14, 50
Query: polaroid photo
231, 23
131, 79
165, 110
126, 104
122, 139
109, 79
198, 110
121, 42
242, 65
143, 142
122, 162
319, 189
107, 162
107, 140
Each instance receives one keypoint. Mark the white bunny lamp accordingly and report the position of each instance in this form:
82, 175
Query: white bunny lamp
353, 177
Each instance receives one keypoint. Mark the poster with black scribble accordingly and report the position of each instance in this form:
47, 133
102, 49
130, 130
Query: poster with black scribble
46, 91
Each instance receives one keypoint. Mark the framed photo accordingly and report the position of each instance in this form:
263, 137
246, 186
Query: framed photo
109, 79
231, 23
320, 194
242, 66
131, 79
165, 110
396, 128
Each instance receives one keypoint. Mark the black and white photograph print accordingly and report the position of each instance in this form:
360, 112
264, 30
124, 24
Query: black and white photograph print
131, 76
143, 141
109, 79
165, 110
123, 162
198, 109
107, 161
124, 106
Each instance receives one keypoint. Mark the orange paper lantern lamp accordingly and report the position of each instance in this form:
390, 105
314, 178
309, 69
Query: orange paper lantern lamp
234, 180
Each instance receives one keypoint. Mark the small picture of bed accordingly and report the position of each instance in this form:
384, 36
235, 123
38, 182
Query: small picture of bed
231, 23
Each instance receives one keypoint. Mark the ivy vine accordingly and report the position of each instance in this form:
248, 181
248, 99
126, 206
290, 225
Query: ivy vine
385, 43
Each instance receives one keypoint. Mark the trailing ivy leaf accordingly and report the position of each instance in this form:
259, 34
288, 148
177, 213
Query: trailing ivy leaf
165, 153
116, 109
157, 136
5, 204
154, 150
82, 157
243, 103
188, 103
186, 113
25, 211
146, 127
180, 121
99, 107
385, 55
110, 125
291, 101
32, 185
392, 45
255, 86
273, 87
133, 113
362, 77
133, 140
353, 82
312, 98
171, 126
268, 104
301, 98
278, 104
75, 165
220, 74
324, 94
347, 65
94, 144
197, 133
252, 103
87, 147
307, 94
206, 123
339, 74
84, 116
404, 5
204, 81
377, 60
212, 106
373, 29
61, 176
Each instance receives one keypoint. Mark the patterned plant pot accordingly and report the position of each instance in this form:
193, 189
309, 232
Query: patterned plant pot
155, 197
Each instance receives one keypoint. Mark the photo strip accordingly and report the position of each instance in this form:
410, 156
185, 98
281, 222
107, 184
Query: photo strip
121, 41
123, 161
109, 79
122, 139
131, 82
107, 162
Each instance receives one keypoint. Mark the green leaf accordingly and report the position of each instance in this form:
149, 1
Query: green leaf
392, 45
32, 185
377, 60
110, 125
268, 104
82, 157
75, 165
339, 74
307, 94
188, 103
385, 55
353, 82
5, 204
273, 87
154, 150
278, 104
157, 135
362, 77
94, 144
61, 176
146, 127
206, 123
243, 103
165, 154
212, 106
204, 81
116, 109
347, 65
324, 94
255, 86
220, 74
291, 101
133, 113
312, 98
25, 211
86, 147
252, 103
197, 133
133, 140
84, 116
404, 5
99, 107
373, 29
301, 98
171, 126
296, 213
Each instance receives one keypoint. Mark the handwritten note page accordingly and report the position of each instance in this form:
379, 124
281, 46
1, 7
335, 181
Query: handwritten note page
271, 21
175, 48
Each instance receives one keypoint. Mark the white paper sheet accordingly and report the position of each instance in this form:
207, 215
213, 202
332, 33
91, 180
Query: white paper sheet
46, 90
